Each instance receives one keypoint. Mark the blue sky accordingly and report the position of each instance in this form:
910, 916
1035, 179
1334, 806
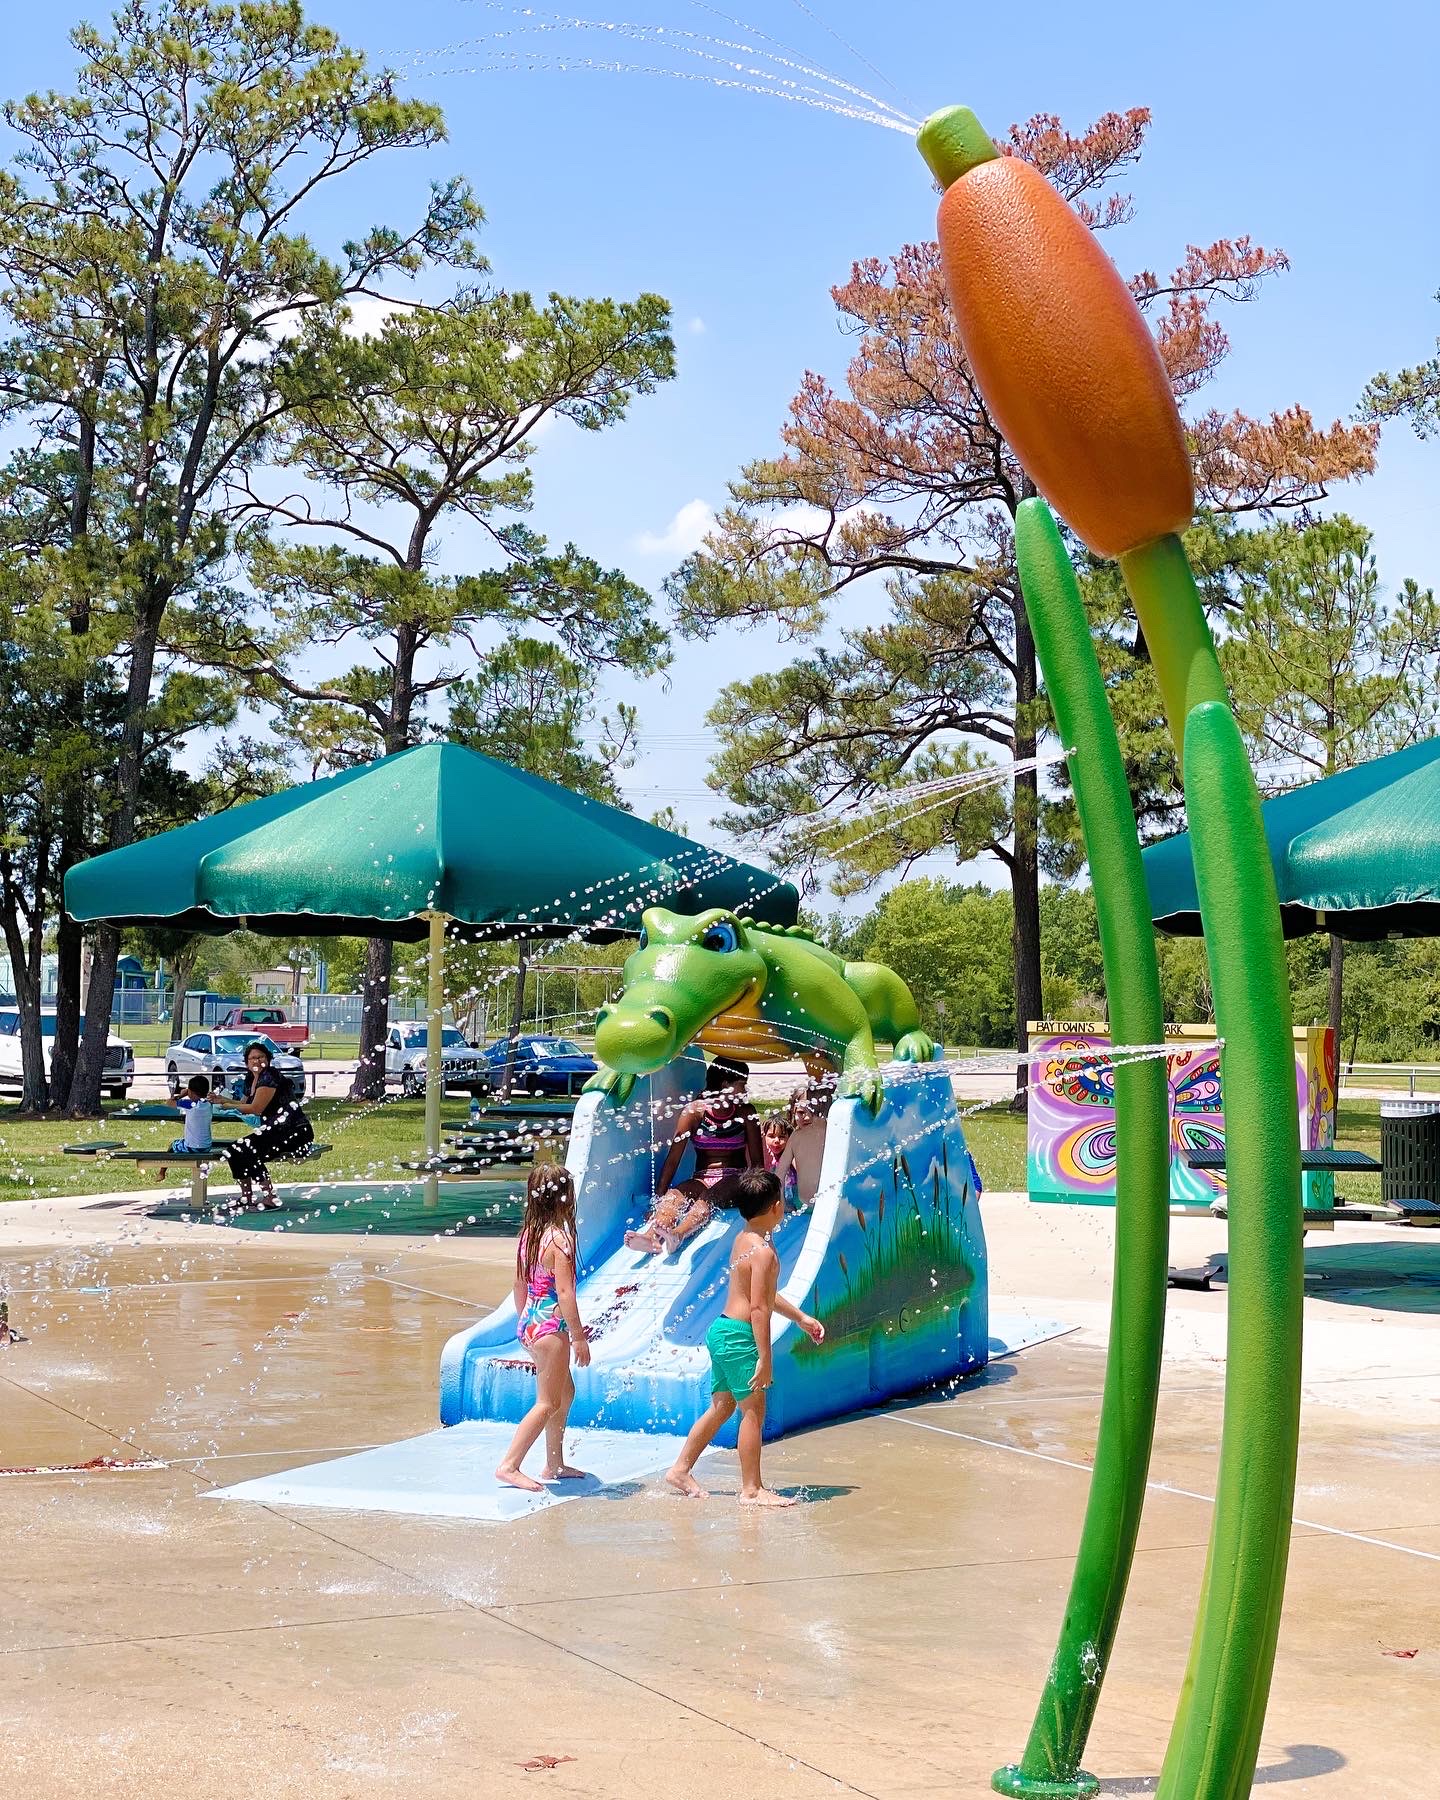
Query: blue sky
1312, 131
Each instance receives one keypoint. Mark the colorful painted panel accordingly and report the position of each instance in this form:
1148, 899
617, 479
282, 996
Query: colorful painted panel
1071, 1152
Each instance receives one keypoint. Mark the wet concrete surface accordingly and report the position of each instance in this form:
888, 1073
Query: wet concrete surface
887, 1637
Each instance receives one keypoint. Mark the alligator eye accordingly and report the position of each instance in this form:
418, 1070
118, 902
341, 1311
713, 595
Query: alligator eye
721, 936
644, 938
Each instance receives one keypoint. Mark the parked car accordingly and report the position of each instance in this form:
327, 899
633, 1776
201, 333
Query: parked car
405, 1059
221, 1056
268, 1020
119, 1056
543, 1065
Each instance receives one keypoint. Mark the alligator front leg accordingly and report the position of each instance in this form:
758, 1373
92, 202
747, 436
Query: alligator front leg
614, 1082
860, 1074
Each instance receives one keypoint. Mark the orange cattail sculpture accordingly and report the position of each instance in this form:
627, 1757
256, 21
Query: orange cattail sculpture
1058, 346
1073, 380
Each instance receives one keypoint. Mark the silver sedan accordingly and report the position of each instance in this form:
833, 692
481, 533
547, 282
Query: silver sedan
221, 1056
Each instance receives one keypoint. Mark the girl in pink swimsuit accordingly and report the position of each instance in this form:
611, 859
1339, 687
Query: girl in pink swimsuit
724, 1132
548, 1324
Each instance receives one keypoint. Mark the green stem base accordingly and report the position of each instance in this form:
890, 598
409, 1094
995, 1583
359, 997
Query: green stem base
1010, 1780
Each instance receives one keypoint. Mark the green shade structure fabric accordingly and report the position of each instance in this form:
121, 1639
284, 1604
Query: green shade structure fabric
438, 829
1357, 854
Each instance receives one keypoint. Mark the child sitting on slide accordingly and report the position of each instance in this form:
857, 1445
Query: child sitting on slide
722, 1128
549, 1324
739, 1343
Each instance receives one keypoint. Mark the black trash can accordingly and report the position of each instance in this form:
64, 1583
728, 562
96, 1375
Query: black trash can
1410, 1150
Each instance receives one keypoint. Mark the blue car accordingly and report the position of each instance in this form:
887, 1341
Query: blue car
543, 1065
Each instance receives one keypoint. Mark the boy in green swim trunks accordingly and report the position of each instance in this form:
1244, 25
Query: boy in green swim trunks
739, 1342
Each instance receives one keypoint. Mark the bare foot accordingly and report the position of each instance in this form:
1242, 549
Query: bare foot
765, 1497
517, 1478
162, 1171
642, 1240
564, 1473
684, 1483
671, 1242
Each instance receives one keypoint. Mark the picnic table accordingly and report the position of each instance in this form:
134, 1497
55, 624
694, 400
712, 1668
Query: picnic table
200, 1161
1414, 1211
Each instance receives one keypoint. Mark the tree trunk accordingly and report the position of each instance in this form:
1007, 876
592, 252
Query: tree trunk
1025, 858
1337, 985
1025, 942
68, 944
83, 1100
369, 1082
184, 966
24, 943
517, 1015
69, 938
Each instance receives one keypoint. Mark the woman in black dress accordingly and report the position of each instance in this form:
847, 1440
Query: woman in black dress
284, 1132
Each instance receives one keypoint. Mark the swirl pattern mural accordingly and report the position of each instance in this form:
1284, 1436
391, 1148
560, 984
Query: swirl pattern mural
1071, 1154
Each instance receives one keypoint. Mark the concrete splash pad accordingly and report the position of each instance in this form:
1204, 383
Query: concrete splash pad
450, 1474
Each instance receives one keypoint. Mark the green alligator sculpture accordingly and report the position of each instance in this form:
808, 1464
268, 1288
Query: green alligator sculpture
755, 993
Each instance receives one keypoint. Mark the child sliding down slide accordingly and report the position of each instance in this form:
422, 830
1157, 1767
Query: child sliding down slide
725, 1133
739, 1343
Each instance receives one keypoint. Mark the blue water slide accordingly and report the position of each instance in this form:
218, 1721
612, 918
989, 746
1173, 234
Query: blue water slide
891, 1257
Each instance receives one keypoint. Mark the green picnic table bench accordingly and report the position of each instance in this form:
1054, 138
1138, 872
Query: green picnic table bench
200, 1161
1413, 1211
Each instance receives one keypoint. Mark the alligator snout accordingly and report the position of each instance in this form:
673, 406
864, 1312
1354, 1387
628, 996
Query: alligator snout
636, 1040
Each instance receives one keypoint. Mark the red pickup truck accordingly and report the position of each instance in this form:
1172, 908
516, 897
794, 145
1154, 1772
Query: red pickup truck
264, 1021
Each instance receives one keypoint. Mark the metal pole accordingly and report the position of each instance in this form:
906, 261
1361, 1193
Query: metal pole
434, 1055
517, 1014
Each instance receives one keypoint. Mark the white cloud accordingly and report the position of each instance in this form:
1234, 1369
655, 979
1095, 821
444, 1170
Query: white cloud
368, 313
696, 326
685, 532
690, 526
804, 520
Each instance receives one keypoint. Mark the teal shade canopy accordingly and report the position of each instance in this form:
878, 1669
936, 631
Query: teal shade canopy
373, 850
1357, 854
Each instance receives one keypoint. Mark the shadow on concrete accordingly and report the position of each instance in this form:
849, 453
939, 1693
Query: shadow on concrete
1399, 1276
1302, 1762
1393, 1275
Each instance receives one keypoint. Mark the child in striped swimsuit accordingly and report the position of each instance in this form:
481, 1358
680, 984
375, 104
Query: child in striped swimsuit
548, 1324
722, 1128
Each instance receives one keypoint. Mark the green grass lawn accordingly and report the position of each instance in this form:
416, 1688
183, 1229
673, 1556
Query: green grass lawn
997, 1142
370, 1141
367, 1141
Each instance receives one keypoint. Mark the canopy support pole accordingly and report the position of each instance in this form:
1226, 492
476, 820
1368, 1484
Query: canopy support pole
434, 1056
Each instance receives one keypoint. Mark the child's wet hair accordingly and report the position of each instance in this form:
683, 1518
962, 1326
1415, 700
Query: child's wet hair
549, 1201
754, 1191
724, 1072
198, 1085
